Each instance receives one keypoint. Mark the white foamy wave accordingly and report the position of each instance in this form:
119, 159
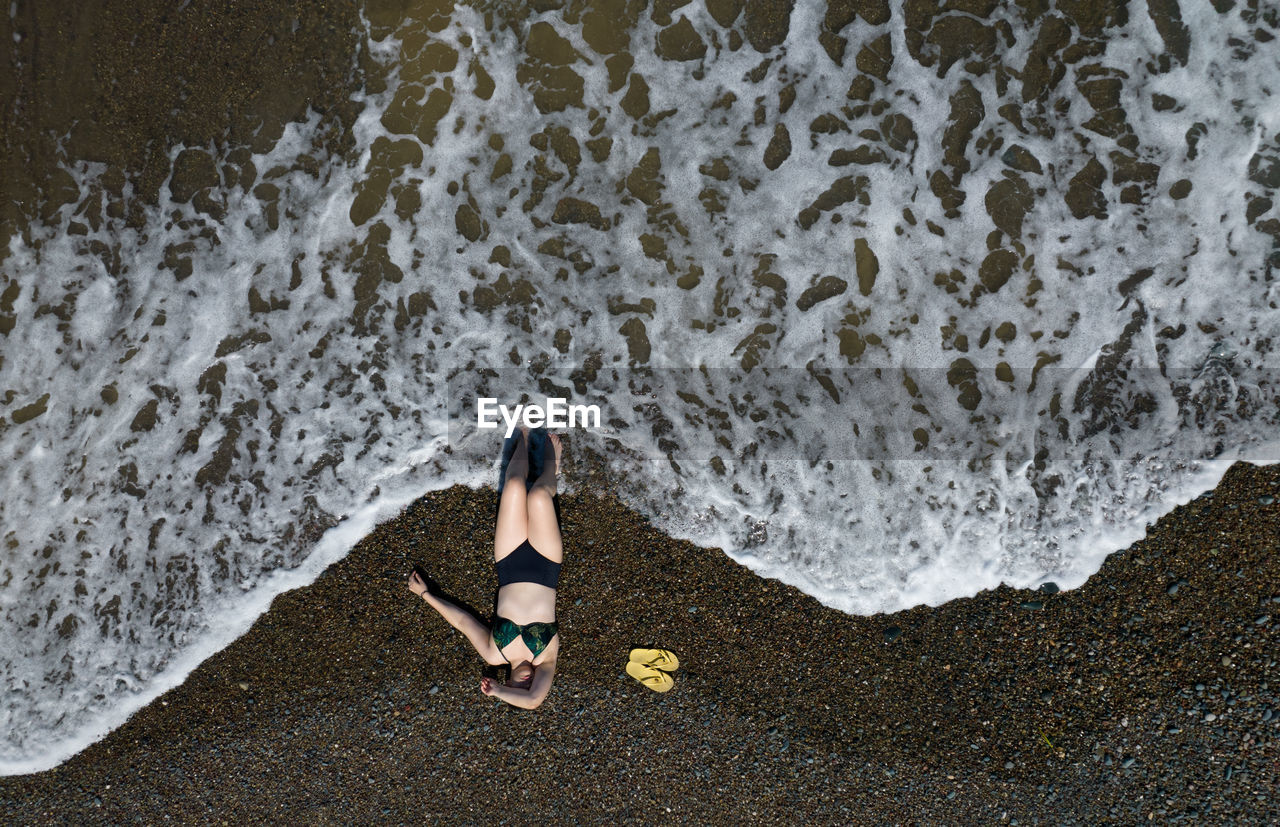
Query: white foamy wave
880, 394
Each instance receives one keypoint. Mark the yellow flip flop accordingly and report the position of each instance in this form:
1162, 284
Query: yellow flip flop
655, 679
663, 659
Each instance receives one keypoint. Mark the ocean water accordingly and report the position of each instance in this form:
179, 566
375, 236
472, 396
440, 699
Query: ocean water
894, 308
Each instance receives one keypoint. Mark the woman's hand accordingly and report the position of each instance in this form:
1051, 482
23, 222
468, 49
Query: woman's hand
416, 584
486, 686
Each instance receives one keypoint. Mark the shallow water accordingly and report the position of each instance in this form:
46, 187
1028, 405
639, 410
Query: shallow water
894, 308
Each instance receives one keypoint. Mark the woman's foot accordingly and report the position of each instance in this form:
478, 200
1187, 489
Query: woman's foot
517, 462
550, 471
555, 442
522, 444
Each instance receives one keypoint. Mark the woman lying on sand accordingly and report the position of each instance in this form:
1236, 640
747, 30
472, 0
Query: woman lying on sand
527, 553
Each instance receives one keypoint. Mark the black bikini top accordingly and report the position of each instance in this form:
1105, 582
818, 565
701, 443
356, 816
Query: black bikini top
535, 635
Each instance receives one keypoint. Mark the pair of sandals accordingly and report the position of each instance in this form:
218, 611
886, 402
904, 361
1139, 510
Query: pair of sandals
650, 667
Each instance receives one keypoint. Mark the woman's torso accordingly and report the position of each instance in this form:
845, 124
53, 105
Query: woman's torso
522, 604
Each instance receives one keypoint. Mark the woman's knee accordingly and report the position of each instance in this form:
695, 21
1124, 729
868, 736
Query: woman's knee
541, 497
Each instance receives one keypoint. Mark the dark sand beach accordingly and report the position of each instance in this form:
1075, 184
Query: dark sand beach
1147, 695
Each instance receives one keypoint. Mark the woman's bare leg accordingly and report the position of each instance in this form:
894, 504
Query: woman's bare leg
513, 513
544, 531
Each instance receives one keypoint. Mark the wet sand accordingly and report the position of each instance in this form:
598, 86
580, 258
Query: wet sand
1124, 700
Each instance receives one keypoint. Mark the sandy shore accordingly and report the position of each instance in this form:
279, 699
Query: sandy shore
1127, 699
1149, 694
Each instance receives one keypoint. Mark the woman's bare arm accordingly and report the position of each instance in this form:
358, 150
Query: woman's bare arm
462, 620
530, 698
